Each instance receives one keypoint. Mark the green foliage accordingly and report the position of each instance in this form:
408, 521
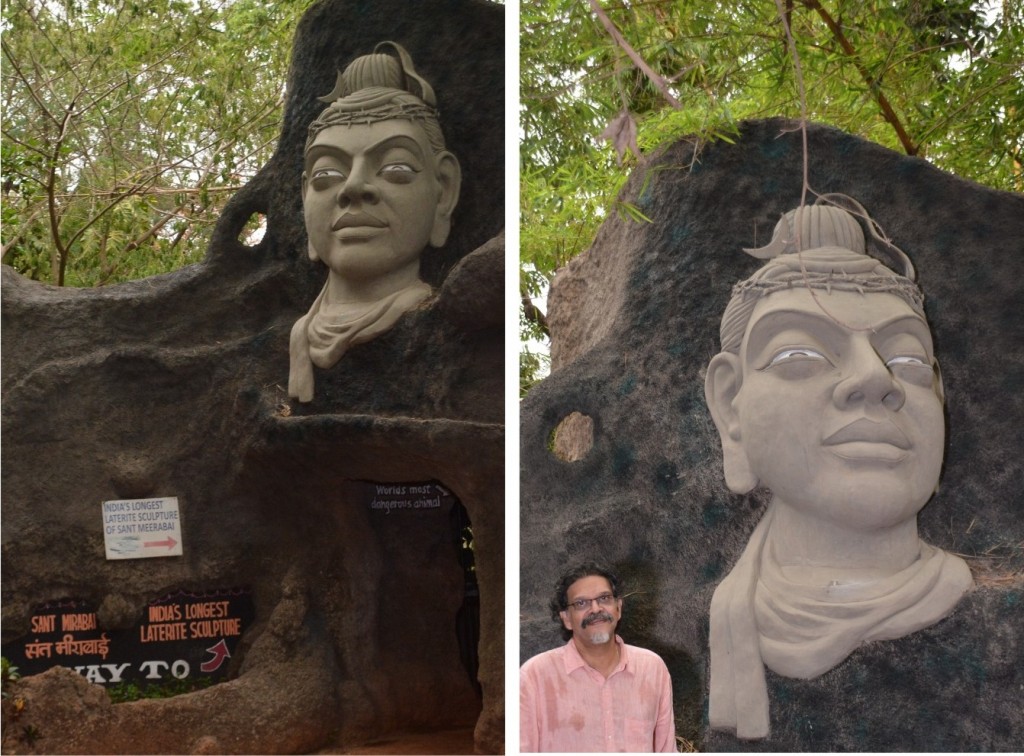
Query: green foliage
532, 367
943, 79
130, 691
128, 125
8, 674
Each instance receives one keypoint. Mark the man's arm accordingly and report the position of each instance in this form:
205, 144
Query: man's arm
665, 727
529, 736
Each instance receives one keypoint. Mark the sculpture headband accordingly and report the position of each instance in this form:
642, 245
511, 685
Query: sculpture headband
372, 109
819, 247
380, 87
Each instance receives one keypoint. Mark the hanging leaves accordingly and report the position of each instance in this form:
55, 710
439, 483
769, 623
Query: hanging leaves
621, 132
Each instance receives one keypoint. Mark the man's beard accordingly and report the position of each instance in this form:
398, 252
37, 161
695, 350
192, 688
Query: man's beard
599, 637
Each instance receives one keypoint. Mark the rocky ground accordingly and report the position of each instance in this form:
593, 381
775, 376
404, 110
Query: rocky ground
60, 712
425, 743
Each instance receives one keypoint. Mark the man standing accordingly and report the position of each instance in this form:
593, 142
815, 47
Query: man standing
595, 693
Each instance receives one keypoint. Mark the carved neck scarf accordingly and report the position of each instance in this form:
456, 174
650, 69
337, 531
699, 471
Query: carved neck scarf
321, 339
760, 618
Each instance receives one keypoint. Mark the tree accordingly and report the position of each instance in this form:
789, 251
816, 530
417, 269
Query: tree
942, 79
128, 125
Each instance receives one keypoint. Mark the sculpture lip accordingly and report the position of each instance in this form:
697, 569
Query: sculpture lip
357, 220
869, 432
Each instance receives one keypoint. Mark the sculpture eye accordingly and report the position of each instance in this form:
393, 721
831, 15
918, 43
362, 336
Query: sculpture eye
321, 178
912, 369
907, 360
398, 173
797, 354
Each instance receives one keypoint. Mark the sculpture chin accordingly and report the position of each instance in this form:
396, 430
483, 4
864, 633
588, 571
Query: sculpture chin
865, 503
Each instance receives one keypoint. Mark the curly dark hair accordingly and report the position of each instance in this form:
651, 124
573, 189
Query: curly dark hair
560, 599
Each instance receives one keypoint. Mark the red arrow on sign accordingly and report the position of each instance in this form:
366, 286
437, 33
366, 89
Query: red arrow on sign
220, 653
170, 543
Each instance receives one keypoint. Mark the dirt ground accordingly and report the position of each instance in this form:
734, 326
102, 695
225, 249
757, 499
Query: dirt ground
414, 744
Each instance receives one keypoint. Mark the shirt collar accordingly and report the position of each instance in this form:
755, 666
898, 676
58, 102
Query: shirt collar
574, 661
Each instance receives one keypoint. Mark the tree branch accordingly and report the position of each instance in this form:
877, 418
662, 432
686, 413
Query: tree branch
24, 80
153, 230
58, 261
533, 313
786, 15
23, 226
659, 82
883, 102
11, 138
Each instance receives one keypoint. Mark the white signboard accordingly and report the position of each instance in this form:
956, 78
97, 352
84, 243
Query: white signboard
142, 528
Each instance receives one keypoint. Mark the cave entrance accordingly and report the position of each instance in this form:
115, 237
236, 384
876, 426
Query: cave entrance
467, 619
428, 600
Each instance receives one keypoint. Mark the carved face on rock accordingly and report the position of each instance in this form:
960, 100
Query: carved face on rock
835, 404
826, 392
374, 196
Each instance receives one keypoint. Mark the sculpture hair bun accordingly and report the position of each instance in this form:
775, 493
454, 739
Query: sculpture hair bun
380, 70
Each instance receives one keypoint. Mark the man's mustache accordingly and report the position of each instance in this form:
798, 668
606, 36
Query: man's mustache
592, 618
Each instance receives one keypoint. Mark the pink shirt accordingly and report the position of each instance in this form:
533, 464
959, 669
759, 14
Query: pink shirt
567, 706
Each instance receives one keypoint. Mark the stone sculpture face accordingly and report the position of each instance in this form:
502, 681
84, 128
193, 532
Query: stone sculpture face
374, 195
378, 188
827, 393
836, 406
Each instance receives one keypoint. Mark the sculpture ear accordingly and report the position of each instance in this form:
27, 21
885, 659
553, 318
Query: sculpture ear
449, 178
721, 386
309, 244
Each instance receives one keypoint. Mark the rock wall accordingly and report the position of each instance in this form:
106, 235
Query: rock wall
635, 321
175, 386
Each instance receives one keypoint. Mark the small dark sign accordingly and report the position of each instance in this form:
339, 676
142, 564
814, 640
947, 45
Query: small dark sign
398, 497
182, 636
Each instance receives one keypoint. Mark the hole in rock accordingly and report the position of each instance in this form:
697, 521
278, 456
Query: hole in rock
253, 230
573, 438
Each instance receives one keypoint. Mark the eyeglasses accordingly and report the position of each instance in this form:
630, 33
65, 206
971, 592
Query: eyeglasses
582, 604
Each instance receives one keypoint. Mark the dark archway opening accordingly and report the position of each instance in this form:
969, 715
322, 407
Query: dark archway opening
467, 618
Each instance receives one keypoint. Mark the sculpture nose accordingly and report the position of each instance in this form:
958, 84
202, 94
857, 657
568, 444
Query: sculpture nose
358, 188
868, 380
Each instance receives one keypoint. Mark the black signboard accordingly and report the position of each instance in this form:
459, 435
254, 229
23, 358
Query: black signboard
184, 636
388, 498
